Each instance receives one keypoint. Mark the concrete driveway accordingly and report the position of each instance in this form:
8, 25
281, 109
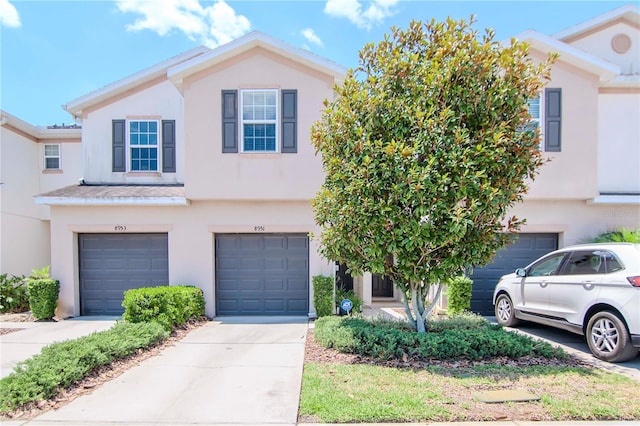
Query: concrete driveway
230, 371
577, 345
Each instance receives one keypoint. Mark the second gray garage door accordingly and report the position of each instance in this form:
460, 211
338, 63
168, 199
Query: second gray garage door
526, 249
262, 274
113, 263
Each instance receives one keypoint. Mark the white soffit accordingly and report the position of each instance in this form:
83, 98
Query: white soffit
603, 69
112, 201
76, 106
629, 12
616, 200
38, 132
222, 53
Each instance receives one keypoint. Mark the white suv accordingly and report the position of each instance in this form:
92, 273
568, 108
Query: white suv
590, 289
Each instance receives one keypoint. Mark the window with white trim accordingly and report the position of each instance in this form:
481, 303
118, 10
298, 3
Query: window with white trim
259, 120
143, 145
535, 113
52, 157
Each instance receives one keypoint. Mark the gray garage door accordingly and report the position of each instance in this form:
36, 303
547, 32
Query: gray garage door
262, 274
527, 248
113, 263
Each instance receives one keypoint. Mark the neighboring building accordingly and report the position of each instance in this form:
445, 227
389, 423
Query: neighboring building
32, 160
590, 124
200, 171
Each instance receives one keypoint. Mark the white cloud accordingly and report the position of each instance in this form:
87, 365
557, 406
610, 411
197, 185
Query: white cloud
211, 25
354, 12
311, 37
9, 14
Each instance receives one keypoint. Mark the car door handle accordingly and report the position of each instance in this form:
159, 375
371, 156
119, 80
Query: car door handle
543, 284
588, 284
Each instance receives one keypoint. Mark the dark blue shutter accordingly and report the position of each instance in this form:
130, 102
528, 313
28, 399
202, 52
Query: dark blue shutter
289, 117
552, 119
118, 145
229, 121
168, 146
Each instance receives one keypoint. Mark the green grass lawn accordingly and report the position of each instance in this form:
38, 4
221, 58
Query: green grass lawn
370, 393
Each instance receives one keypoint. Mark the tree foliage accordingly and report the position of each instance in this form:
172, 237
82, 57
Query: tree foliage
424, 153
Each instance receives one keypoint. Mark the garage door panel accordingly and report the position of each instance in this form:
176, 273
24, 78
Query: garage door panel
275, 243
110, 264
268, 262
521, 252
278, 285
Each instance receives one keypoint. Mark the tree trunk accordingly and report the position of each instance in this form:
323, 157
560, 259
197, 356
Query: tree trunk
407, 310
418, 319
416, 294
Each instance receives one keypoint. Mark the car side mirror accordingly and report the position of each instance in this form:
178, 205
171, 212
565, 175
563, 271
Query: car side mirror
521, 272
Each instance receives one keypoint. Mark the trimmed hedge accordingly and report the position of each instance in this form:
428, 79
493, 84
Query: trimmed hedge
59, 365
393, 340
43, 297
323, 295
170, 306
459, 295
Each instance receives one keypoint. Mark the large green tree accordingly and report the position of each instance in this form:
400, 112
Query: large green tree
424, 152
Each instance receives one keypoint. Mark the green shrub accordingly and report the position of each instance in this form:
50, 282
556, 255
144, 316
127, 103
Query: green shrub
170, 306
323, 295
43, 297
459, 295
351, 295
61, 364
620, 236
13, 294
395, 341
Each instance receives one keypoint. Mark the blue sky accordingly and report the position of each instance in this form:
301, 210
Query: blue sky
55, 51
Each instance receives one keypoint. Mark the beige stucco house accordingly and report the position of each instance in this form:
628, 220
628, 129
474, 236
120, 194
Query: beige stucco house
32, 160
589, 117
199, 170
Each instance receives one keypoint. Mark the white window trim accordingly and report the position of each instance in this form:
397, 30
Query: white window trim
59, 156
540, 120
158, 146
275, 121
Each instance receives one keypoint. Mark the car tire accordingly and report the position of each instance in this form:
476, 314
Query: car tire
505, 313
608, 338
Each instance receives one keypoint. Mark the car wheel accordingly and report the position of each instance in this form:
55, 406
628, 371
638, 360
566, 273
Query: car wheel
609, 339
505, 314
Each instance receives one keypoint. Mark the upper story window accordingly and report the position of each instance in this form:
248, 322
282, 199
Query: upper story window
259, 120
52, 156
535, 112
545, 111
143, 145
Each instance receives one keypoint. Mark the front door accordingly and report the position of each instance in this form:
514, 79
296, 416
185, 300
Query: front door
382, 286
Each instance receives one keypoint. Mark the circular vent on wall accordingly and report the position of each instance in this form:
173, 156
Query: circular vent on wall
621, 43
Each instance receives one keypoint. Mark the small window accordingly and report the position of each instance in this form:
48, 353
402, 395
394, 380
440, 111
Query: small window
52, 157
259, 119
547, 266
535, 112
143, 145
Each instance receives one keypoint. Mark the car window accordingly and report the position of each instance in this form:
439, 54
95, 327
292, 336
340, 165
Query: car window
583, 262
609, 262
547, 266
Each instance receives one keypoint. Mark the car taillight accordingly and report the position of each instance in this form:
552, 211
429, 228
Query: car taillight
635, 281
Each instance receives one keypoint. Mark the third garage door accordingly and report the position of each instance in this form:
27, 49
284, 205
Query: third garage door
527, 248
262, 274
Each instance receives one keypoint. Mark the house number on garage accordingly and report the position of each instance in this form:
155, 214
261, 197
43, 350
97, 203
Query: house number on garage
258, 228
120, 228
